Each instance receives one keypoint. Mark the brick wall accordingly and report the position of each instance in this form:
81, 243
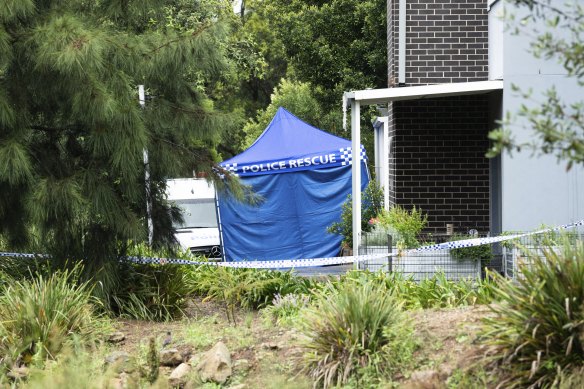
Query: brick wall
446, 41
437, 160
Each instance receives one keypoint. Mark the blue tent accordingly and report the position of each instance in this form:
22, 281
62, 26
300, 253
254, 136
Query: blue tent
304, 176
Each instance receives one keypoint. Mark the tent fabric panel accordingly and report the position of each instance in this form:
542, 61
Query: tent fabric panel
288, 144
288, 136
291, 222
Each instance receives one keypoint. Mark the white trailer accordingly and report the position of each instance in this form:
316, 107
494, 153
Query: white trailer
199, 232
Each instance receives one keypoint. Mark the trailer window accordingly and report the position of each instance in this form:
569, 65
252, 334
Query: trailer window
197, 213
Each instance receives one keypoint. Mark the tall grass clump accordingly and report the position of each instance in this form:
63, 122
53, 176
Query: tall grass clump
537, 334
154, 292
246, 288
41, 315
355, 329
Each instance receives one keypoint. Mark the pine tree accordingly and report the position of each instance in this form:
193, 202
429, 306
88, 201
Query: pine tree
72, 133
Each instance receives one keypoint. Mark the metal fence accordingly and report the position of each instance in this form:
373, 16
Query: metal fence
420, 265
521, 252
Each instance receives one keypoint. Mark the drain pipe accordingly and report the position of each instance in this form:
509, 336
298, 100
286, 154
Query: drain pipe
401, 70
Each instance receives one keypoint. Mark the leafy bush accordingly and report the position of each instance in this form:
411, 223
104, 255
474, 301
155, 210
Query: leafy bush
247, 288
371, 205
39, 316
403, 223
483, 253
146, 292
432, 292
351, 328
537, 335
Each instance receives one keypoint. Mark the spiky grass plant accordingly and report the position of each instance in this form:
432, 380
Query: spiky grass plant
39, 316
152, 292
351, 329
537, 334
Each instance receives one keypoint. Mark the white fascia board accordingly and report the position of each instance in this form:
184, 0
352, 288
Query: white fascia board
380, 96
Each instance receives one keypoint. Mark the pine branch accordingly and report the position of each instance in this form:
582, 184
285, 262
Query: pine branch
180, 38
198, 156
55, 129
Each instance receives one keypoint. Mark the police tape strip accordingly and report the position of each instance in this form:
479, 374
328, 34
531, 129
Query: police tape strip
489, 240
314, 262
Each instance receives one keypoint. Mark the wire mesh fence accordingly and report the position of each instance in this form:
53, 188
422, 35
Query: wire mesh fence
419, 265
522, 252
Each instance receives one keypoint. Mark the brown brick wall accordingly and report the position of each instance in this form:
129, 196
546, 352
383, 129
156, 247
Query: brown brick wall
437, 161
446, 41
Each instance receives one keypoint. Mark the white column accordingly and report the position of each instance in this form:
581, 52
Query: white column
385, 161
356, 173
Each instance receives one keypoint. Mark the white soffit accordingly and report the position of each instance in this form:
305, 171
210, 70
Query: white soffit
380, 96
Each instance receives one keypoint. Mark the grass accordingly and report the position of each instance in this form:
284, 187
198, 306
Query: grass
38, 317
354, 328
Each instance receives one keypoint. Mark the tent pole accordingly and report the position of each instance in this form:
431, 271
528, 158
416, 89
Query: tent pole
356, 174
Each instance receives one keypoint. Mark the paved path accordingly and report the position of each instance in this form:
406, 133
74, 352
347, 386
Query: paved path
318, 271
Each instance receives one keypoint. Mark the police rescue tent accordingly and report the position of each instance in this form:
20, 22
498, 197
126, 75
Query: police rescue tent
304, 176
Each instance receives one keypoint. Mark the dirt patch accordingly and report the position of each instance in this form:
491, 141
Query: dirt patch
448, 339
269, 356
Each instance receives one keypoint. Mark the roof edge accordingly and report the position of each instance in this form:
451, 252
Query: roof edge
380, 96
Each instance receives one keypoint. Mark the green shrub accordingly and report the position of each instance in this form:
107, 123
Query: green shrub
483, 253
407, 225
151, 292
246, 288
145, 291
352, 328
537, 334
371, 205
432, 292
72, 370
39, 316
285, 308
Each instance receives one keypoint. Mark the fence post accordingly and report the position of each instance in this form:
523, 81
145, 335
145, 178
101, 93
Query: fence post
389, 258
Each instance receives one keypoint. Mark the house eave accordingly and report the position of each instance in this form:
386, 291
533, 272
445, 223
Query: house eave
380, 96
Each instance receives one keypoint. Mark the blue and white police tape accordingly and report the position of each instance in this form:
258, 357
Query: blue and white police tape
23, 255
314, 262
273, 264
490, 240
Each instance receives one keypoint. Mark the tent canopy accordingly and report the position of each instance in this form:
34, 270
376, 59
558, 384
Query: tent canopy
297, 206
289, 144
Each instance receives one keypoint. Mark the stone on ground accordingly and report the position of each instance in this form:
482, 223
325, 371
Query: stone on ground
215, 364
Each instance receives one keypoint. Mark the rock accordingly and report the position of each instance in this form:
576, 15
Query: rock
116, 337
170, 357
270, 346
123, 381
215, 364
425, 379
18, 373
120, 361
179, 375
117, 356
194, 360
